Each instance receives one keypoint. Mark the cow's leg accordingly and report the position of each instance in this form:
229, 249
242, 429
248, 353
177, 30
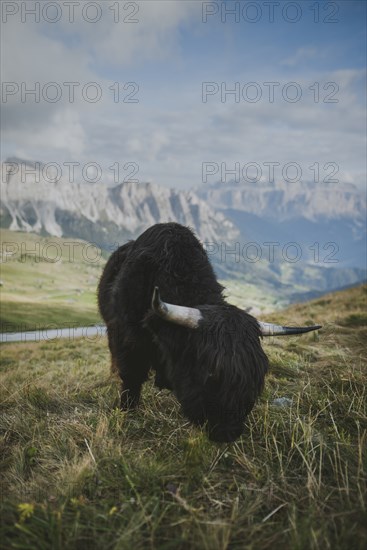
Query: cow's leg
131, 356
112, 347
130, 359
133, 366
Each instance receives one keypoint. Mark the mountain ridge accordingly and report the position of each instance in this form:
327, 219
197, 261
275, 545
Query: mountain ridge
69, 209
282, 201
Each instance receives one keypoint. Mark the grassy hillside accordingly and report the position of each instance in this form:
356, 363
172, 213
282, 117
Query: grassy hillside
78, 473
47, 281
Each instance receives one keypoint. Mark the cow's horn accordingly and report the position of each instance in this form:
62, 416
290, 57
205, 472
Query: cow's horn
268, 329
181, 315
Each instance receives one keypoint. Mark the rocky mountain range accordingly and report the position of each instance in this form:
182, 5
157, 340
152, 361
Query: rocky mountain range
283, 201
329, 217
100, 213
327, 224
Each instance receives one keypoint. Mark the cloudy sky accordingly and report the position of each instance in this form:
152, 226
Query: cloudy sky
143, 89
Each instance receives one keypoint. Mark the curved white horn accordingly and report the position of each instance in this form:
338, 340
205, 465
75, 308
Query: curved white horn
181, 315
268, 329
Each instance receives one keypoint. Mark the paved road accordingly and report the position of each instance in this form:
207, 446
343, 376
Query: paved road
92, 332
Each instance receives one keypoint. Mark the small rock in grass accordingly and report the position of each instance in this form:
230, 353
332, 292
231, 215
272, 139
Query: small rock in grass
282, 402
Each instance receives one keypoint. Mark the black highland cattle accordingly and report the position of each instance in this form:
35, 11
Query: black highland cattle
164, 310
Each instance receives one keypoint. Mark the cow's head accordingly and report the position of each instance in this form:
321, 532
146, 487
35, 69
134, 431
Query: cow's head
217, 368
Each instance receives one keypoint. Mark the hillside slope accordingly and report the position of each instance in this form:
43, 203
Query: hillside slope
47, 282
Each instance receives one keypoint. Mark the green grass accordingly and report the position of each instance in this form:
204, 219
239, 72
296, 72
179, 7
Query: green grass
47, 281
78, 473
247, 295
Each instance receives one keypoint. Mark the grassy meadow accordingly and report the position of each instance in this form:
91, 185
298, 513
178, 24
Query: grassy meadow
47, 282
78, 473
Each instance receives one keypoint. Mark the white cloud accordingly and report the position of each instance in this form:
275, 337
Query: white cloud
156, 36
301, 55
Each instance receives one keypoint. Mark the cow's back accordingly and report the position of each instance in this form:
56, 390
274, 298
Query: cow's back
107, 281
171, 257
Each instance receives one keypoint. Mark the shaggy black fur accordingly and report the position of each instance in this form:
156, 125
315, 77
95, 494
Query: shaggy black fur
217, 370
